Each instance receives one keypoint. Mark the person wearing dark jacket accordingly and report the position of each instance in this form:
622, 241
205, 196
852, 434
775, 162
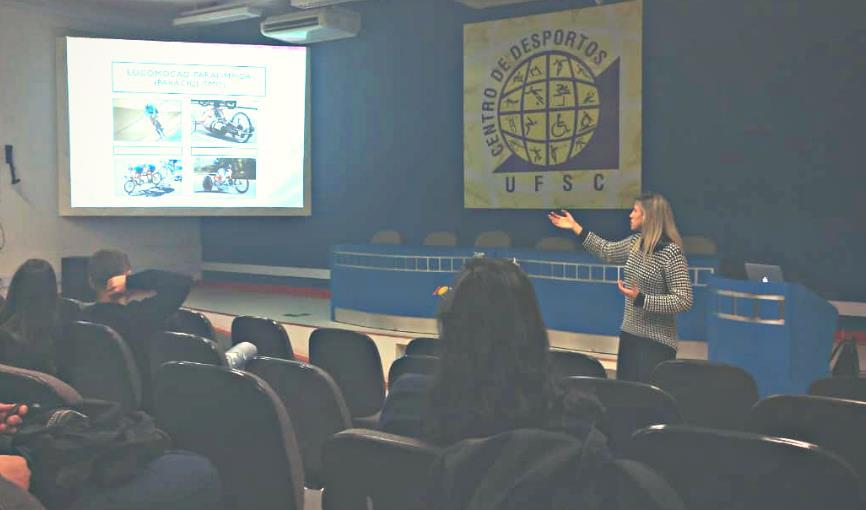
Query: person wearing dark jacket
111, 276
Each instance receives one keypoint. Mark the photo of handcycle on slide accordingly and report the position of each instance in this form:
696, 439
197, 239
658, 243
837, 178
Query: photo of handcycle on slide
144, 177
222, 120
236, 176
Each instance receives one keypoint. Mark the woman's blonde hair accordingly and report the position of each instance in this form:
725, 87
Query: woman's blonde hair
658, 220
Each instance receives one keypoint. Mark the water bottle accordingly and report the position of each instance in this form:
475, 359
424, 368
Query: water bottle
239, 355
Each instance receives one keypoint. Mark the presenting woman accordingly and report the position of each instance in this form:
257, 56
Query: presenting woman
656, 286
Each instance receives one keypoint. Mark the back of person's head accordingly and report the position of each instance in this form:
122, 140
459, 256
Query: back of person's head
494, 370
658, 222
32, 291
104, 265
30, 310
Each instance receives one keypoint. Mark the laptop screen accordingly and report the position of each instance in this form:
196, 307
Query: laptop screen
766, 273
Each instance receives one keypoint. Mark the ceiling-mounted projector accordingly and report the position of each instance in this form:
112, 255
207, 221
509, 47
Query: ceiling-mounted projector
483, 4
305, 27
217, 14
312, 4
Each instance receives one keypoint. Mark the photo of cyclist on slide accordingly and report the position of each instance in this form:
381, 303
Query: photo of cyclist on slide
153, 114
223, 119
138, 120
144, 176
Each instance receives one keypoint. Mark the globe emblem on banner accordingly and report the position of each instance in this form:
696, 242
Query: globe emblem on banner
548, 108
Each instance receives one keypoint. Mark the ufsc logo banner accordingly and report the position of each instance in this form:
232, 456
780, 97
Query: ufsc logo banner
552, 109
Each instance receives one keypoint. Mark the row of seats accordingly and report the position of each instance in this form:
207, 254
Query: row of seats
261, 432
191, 398
698, 245
698, 393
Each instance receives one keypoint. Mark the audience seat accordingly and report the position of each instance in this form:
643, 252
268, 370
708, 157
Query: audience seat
353, 360
425, 365
422, 347
237, 421
70, 310
95, 360
269, 337
391, 470
314, 403
386, 237
571, 363
171, 346
556, 243
192, 322
493, 239
440, 239
851, 388
13, 497
723, 470
629, 406
708, 394
835, 424
699, 245
28, 386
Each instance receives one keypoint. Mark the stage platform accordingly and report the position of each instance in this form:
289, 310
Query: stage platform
300, 311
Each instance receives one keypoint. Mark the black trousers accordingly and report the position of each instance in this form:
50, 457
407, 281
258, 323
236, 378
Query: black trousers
638, 356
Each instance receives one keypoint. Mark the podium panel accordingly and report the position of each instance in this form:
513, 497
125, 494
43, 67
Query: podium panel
576, 292
781, 333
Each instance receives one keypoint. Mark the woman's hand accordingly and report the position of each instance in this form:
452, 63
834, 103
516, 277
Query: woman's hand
630, 292
565, 221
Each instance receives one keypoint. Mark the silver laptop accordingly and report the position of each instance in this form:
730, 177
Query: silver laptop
766, 273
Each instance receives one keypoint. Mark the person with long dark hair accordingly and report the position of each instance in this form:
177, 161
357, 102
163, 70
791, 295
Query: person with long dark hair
495, 372
656, 286
29, 318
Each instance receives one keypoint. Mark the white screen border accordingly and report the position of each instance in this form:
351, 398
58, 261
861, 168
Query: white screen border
63, 161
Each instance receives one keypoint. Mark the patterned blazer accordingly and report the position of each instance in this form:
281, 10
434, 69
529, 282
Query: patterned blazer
663, 280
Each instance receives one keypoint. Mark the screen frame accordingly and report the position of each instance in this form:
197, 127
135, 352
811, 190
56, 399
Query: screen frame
64, 191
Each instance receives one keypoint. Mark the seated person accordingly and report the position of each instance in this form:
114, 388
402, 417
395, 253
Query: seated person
494, 375
30, 318
110, 274
175, 480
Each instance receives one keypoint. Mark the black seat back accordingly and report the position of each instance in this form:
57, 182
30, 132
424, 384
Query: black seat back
571, 363
422, 346
851, 388
29, 386
314, 403
391, 470
95, 360
425, 365
168, 346
629, 406
713, 395
235, 420
270, 339
722, 470
352, 359
192, 322
835, 424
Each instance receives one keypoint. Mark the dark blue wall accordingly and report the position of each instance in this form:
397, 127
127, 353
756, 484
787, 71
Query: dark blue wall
753, 128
